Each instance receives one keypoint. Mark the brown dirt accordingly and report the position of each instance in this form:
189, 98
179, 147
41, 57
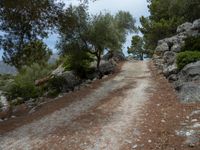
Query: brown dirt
125, 119
23, 117
161, 117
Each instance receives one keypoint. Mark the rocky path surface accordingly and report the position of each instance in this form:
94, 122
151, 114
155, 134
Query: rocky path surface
135, 109
100, 120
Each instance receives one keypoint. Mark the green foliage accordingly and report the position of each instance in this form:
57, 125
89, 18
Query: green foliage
56, 85
187, 57
137, 47
24, 22
78, 62
34, 52
192, 44
5, 79
82, 33
24, 83
165, 16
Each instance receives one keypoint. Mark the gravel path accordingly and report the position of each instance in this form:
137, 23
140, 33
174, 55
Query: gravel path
118, 101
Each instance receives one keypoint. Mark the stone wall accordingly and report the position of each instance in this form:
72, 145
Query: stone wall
186, 81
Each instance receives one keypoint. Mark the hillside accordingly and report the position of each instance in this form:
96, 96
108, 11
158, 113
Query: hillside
6, 69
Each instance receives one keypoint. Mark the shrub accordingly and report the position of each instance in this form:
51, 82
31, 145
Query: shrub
79, 62
187, 57
5, 79
24, 83
56, 84
192, 44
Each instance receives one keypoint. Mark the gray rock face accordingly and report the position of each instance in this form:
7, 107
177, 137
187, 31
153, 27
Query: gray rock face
5, 110
107, 67
70, 79
58, 71
171, 69
161, 48
169, 57
189, 92
190, 72
172, 78
196, 24
186, 81
176, 48
184, 27
117, 56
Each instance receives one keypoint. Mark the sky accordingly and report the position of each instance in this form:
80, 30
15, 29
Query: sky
137, 8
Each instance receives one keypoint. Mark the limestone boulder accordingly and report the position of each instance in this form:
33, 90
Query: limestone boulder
190, 72
184, 27
189, 92
196, 24
169, 57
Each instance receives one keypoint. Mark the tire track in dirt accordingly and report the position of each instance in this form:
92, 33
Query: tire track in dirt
40, 133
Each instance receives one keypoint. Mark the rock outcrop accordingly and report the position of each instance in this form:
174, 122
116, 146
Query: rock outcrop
5, 110
186, 81
116, 56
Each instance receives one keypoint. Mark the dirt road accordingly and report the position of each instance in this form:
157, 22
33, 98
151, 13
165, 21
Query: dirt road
101, 120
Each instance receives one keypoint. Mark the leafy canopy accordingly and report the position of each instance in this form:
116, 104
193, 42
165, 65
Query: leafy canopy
137, 47
81, 32
165, 16
23, 22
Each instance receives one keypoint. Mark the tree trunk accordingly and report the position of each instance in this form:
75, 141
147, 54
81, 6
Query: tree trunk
98, 62
141, 56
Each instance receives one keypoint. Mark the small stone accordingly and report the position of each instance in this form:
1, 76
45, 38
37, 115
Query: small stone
194, 120
13, 116
135, 146
163, 121
127, 141
63, 138
1, 120
196, 125
191, 145
187, 117
189, 133
183, 124
149, 141
158, 105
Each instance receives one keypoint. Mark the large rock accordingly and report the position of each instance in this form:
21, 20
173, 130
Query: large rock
58, 71
196, 24
184, 27
70, 80
190, 72
159, 63
107, 67
171, 69
67, 80
160, 49
189, 92
5, 109
117, 56
186, 81
188, 84
169, 57
176, 48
